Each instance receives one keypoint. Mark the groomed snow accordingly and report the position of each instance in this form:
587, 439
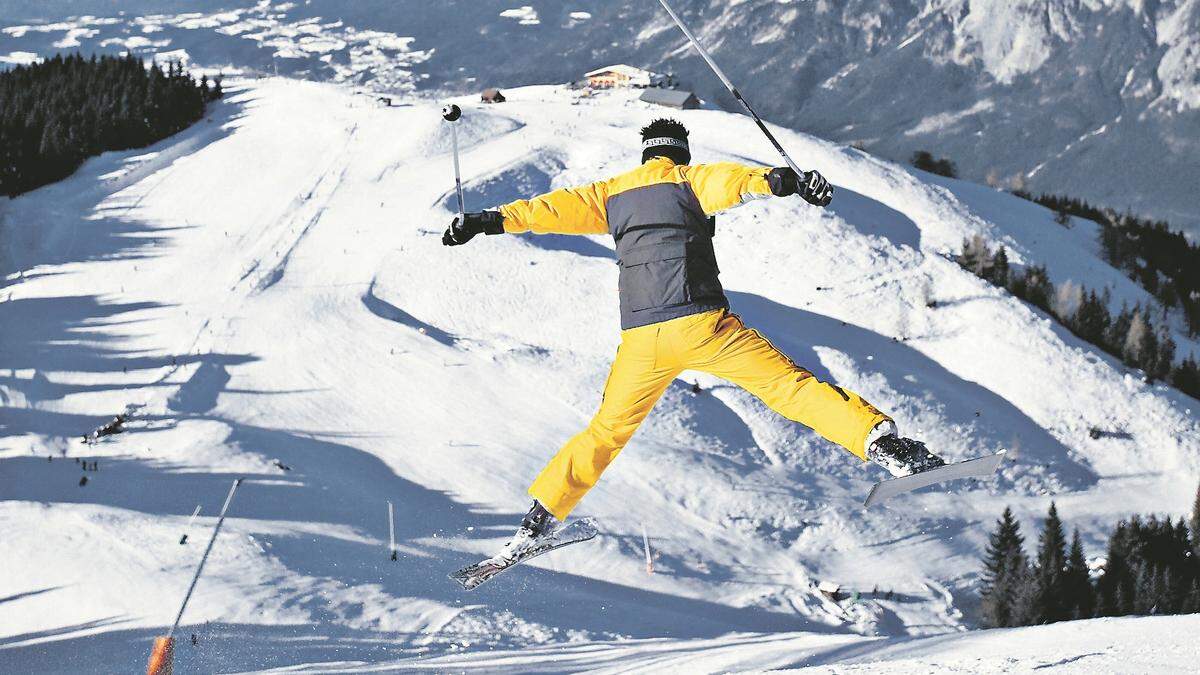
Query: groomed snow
270, 287
1127, 645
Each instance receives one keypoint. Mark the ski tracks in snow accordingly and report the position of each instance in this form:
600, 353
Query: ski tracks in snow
271, 253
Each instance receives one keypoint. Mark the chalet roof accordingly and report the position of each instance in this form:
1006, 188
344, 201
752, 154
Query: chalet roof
621, 69
672, 97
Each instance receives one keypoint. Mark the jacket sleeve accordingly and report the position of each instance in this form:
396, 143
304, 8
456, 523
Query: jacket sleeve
725, 185
574, 210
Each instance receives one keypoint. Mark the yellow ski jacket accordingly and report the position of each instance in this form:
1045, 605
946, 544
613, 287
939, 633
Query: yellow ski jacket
660, 215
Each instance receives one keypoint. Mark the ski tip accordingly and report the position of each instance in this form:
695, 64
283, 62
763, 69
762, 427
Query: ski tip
870, 496
589, 525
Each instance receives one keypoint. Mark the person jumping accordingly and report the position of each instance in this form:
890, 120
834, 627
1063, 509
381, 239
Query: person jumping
675, 316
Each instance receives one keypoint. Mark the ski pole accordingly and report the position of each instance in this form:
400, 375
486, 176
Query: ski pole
732, 89
451, 113
212, 540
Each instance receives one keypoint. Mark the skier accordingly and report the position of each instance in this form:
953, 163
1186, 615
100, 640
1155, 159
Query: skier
675, 316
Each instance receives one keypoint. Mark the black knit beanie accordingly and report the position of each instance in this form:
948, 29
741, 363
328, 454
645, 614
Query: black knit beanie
666, 137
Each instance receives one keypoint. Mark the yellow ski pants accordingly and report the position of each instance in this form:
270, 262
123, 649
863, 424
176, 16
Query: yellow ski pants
715, 342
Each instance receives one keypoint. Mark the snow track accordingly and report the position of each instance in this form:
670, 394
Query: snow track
270, 284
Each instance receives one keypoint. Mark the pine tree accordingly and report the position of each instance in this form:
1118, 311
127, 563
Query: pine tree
1000, 268
1164, 357
983, 263
1186, 377
968, 256
1092, 319
1079, 596
1195, 525
1137, 350
1037, 286
1025, 604
925, 161
1191, 603
1004, 571
1149, 361
1114, 589
1118, 329
1184, 566
1067, 300
1145, 600
976, 257
1050, 570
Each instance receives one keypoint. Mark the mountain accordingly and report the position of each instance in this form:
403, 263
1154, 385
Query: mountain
268, 291
1096, 99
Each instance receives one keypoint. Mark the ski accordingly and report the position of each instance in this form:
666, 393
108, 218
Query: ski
474, 576
980, 467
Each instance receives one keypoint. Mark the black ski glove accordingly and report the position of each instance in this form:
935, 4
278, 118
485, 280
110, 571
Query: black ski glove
811, 185
484, 222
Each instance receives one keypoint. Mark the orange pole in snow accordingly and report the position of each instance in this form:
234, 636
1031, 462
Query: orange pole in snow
161, 656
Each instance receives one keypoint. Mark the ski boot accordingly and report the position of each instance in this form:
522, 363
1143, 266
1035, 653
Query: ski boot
537, 524
900, 456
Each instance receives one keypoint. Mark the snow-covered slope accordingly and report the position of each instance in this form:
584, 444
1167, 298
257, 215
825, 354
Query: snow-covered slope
1097, 99
270, 288
1142, 645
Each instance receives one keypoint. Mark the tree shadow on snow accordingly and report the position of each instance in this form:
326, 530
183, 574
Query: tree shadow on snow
871, 217
523, 180
79, 219
83, 217
386, 310
47, 336
334, 483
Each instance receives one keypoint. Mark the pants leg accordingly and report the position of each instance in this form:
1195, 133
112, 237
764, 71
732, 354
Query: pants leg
635, 384
745, 358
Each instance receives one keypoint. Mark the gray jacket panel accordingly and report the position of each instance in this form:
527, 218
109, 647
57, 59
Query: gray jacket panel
664, 245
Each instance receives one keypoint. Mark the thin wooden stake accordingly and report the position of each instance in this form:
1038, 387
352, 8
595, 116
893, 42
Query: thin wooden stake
391, 532
646, 546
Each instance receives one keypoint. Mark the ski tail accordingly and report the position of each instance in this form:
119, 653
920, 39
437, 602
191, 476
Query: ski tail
474, 576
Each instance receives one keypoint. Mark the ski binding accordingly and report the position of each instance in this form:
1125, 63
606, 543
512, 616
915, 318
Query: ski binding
474, 576
980, 467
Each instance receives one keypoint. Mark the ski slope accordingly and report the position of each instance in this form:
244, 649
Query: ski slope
269, 289
1129, 645
970, 80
